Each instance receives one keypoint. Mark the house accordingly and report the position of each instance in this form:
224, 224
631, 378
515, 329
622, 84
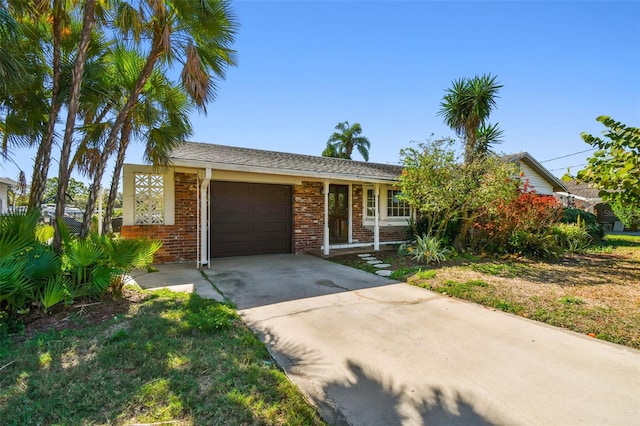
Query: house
219, 201
5, 183
586, 197
580, 195
539, 177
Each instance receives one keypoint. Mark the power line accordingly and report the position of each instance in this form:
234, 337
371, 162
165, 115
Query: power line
568, 167
569, 155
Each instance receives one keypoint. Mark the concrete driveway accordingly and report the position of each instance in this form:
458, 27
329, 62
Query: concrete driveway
371, 351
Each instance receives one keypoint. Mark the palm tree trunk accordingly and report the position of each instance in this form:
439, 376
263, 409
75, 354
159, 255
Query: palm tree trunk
123, 116
43, 156
88, 21
125, 136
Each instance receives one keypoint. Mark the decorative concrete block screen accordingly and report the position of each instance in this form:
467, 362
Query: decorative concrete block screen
149, 199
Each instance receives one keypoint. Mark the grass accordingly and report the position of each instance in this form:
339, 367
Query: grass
595, 293
173, 358
504, 269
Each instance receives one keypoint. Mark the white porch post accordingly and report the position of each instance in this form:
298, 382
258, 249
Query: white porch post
326, 217
376, 226
350, 217
204, 213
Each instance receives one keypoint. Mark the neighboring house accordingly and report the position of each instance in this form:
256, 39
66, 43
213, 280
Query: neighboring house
580, 195
217, 201
5, 183
539, 177
584, 196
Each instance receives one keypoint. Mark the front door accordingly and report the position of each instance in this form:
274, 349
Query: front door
338, 214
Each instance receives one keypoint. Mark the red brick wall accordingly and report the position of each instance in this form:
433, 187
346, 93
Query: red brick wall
179, 241
308, 217
361, 234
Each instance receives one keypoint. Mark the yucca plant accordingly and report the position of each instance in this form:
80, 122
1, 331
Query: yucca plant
430, 249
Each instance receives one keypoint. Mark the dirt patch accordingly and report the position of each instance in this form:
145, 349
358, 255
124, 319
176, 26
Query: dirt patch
82, 313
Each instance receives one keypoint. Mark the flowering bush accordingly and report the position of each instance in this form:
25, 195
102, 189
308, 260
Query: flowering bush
518, 225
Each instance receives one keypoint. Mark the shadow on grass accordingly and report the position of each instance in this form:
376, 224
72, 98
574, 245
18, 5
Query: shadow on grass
179, 359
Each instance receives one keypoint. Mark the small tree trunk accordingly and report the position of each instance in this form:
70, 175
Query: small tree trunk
109, 147
88, 21
115, 180
43, 156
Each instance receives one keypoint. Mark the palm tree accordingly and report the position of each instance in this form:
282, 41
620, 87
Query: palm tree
342, 142
466, 107
161, 117
197, 34
22, 101
88, 22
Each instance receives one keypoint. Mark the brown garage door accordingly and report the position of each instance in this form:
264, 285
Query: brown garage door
250, 218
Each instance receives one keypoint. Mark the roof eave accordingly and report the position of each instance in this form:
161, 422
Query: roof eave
278, 171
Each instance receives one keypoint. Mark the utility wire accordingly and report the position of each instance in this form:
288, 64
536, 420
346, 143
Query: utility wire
569, 155
568, 167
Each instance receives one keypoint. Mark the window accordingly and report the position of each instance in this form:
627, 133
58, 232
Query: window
396, 207
149, 199
371, 203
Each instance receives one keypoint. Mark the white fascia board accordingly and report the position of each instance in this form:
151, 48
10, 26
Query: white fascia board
283, 172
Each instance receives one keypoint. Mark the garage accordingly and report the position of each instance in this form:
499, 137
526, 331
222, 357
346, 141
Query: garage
250, 219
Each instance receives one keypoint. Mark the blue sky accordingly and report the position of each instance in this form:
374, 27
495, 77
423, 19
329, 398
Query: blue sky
304, 66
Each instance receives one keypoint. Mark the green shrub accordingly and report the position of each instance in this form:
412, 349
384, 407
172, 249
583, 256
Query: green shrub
424, 224
589, 219
32, 274
572, 237
542, 245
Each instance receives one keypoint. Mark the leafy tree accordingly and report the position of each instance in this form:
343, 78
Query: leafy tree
76, 194
628, 214
342, 142
615, 167
466, 107
443, 190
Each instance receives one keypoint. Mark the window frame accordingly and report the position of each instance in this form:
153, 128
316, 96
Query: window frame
395, 206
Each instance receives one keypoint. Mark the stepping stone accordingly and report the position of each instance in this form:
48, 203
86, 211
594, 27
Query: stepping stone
364, 255
374, 262
382, 265
368, 258
384, 273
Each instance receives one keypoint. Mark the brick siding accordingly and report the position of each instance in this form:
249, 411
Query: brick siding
179, 241
308, 217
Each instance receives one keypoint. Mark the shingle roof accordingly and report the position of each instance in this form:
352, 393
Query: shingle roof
247, 159
582, 189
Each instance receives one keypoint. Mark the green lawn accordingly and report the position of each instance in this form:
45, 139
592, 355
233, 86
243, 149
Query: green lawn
173, 358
